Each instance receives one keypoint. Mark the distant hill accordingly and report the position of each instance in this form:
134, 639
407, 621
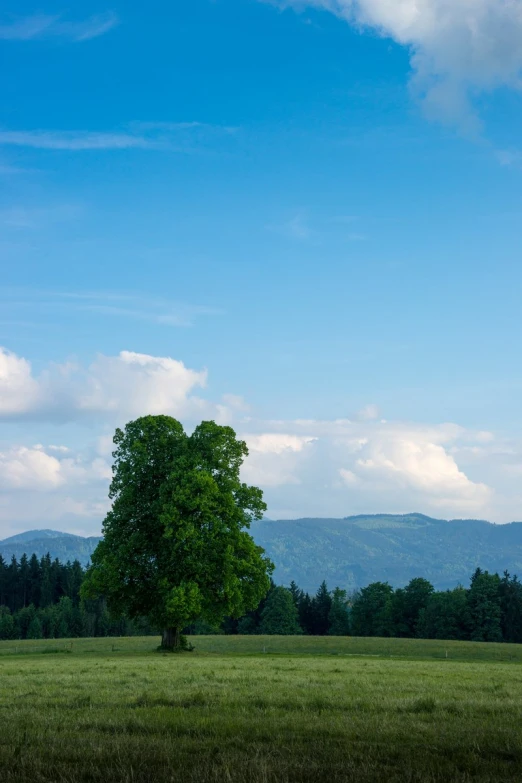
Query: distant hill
64, 546
350, 552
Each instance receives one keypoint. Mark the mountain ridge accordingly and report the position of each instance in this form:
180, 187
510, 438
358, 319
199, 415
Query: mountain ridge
350, 552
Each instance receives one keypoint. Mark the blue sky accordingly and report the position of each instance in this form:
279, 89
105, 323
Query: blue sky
299, 218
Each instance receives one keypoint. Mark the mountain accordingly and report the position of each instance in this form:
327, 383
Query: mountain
64, 546
355, 551
33, 535
350, 552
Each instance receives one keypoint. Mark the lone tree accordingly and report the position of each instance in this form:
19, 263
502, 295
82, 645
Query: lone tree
176, 546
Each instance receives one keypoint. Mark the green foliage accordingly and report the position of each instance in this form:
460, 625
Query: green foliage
371, 613
446, 616
338, 617
176, 546
280, 614
484, 607
511, 608
7, 624
407, 605
34, 630
321, 606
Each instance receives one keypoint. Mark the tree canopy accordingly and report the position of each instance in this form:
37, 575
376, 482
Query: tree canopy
280, 614
176, 546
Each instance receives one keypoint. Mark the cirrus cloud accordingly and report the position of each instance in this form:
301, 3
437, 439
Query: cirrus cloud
29, 28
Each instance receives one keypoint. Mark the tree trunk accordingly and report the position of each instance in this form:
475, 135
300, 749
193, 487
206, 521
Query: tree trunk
170, 639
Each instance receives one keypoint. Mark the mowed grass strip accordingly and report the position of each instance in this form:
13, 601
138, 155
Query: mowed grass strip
209, 717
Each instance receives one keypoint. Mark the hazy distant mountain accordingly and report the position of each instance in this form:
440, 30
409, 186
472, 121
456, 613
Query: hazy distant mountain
64, 546
355, 551
349, 552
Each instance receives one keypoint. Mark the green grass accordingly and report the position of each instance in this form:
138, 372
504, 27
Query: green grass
287, 645
326, 710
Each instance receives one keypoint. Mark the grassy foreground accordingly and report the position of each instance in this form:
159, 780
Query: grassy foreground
111, 710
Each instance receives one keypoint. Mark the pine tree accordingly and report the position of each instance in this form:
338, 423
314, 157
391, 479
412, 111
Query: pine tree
13, 601
306, 613
46, 587
35, 574
321, 605
297, 593
280, 614
23, 580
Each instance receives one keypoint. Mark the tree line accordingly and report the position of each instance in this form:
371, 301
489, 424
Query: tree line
490, 610
40, 598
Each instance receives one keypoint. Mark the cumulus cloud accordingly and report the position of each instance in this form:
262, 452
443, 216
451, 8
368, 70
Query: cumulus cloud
346, 466
19, 391
413, 461
275, 458
458, 47
116, 387
31, 468
306, 467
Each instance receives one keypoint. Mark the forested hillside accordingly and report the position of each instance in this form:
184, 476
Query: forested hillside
352, 552
356, 551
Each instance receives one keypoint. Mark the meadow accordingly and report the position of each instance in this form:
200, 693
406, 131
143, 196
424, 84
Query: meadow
260, 709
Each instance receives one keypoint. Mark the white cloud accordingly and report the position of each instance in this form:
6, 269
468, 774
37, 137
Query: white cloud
346, 466
135, 384
33, 468
415, 462
275, 458
277, 443
29, 468
42, 486
114, 387
19, 391
306, 467
30, 28
458, 47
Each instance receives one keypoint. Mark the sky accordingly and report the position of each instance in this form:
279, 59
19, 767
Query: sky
301, 219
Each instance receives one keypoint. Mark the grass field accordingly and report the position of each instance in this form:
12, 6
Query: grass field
306, 709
